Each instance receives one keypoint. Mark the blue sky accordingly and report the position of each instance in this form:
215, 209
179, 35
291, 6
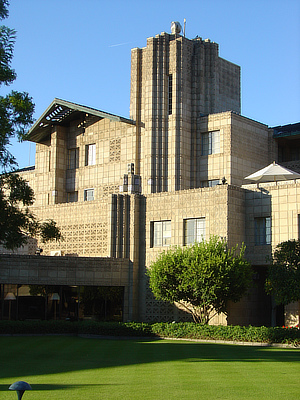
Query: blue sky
79, 50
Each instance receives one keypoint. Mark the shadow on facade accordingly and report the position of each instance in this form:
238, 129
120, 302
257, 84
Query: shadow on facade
256, 307
142, 256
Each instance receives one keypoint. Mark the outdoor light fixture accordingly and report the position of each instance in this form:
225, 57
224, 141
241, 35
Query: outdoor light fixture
10, 296
20, 387
55, 297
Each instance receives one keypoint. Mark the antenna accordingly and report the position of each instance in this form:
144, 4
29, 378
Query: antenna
184, 22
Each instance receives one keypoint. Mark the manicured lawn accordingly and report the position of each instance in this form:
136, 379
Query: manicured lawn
61, 368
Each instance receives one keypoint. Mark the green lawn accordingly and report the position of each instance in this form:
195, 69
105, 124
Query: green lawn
61, 368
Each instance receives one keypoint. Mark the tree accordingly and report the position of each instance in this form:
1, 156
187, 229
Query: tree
283, 280
16, 108
202, 278
16, 111
17, 222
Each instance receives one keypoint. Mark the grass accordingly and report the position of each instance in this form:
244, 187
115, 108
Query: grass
61, 367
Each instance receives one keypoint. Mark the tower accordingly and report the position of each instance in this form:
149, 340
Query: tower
175, 81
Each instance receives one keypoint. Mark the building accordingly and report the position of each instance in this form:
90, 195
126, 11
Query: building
123, 189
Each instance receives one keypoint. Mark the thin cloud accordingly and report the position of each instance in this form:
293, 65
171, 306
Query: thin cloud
119, 44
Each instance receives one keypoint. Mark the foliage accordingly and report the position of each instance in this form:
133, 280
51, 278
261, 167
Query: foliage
202, 278
17, 222
3, 9
16, 110
184, 330
283, 279
259, 334
48, 230
43, 290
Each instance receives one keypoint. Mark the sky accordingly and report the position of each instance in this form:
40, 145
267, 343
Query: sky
79, 51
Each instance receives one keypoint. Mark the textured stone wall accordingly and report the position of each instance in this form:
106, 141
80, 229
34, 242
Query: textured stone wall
85, 227
243, 148
213, 204
53, 178
43, 270
202, 83
281, 202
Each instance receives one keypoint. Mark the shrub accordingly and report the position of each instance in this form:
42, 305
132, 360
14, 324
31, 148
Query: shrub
186, 330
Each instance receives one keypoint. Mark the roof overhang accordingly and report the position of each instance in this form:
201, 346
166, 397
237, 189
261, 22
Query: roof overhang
289, 131
61, 112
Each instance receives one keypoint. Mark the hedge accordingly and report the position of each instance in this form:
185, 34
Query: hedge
186, 330
261, 334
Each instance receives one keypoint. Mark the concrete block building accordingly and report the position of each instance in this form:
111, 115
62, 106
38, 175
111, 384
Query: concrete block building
123, 189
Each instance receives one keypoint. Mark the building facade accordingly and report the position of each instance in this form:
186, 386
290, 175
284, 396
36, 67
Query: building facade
122, 190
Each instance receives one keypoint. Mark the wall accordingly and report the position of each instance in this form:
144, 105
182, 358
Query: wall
211, 203
280, 201
202, 83
115, 148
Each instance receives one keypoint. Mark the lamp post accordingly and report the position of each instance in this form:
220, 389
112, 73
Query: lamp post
10, 296
55, 297
20, 387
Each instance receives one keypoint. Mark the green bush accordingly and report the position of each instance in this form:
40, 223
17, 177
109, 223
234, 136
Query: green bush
187, 330
235, 333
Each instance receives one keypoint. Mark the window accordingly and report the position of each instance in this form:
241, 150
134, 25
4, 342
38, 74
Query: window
88, 194
90, 154
161, 233
262, 226
72, 197
210, 183
194, 230
73, 158
170, 93
210, 143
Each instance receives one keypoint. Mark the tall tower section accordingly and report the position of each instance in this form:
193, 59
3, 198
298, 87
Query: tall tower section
174, 82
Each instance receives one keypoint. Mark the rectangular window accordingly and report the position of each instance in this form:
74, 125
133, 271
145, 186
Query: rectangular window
90, 154
194, 230
210, 183
73, 158
210, 143
72, 197
170, 93
262, 226
161, 233
89, 194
